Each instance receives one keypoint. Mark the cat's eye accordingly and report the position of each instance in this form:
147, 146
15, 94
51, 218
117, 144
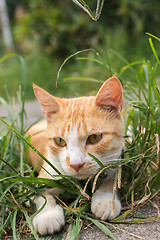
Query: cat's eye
94, 138
60, 142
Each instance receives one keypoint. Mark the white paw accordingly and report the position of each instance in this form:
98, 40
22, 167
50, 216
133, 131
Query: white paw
49, 220
102, 206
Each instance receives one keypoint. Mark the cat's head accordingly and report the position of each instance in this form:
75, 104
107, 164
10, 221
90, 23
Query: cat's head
78, 126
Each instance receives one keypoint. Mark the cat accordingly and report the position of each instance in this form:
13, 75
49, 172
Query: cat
73, 128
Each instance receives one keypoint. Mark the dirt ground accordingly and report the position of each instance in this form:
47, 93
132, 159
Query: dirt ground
148, 230
145, 230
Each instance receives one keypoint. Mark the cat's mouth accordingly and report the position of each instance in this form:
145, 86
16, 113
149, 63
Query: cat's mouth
82, 170
80, 174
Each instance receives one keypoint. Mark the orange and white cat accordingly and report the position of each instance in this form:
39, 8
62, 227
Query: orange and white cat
72, 129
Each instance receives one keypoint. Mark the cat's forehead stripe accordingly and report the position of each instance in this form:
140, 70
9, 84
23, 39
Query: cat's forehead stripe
79, 114
75, 115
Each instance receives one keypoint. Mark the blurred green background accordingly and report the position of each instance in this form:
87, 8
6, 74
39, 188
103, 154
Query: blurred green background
46, 32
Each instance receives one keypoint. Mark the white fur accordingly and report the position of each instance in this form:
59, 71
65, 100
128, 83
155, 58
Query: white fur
102, 205
76, 157
50, 219
74, 151
77, 154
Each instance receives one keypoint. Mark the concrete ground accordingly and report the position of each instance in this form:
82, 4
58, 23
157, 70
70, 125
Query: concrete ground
145, 230
149, 230
32, 108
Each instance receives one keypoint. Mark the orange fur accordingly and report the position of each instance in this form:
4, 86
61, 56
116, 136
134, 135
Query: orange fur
88, 115
73, 128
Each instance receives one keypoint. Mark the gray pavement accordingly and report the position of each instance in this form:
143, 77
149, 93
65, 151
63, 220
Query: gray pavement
32, 108
146, 230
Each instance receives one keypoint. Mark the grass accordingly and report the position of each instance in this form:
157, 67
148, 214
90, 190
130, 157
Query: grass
42, 70
139, 167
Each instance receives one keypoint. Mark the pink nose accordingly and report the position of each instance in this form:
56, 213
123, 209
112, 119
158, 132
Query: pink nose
77, 167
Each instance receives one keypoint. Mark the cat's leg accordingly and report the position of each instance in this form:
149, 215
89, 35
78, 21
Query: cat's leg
102, 204
51, 218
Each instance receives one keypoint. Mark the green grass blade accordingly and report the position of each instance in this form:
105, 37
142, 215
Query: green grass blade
8, 220
7, 109
153, 36
30, 224
149, 84
24, 139
155, 86
74, 229
101, 62
139, 220
14, 225
97, 160
77, 226
128, 66
7, 56
46, 181
6, 190
140, 81
84, 79
59, 237
62, 184
102, 227
7, 163
73, 55
154, 50
90, 59
122, 216
3, 141
70, 235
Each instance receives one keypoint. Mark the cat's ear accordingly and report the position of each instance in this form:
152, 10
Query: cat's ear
48, 103
110, 95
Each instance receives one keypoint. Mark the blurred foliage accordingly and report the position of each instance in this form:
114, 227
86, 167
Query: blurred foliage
60, 27
55, 27
46, 32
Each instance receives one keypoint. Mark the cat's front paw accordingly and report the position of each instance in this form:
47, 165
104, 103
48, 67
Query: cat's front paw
102, 206
49, 220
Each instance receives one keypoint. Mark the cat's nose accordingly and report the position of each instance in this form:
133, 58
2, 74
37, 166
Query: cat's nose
77, 167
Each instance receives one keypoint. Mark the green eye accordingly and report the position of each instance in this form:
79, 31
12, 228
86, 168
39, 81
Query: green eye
94, 138
60, 142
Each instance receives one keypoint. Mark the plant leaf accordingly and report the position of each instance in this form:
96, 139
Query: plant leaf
97, 160
102, 227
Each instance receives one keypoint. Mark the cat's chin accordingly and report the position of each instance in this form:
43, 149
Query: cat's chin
79, 176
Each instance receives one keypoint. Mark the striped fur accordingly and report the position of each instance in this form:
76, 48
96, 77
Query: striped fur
74, 121
77, 119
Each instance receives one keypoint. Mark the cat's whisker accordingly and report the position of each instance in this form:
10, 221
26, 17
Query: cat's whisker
111, 155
